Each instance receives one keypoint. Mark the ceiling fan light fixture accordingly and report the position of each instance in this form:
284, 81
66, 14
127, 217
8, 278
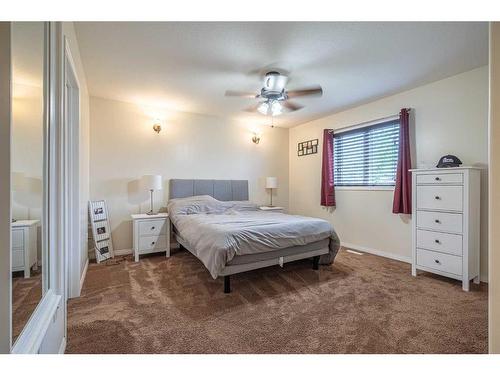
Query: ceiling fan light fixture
263, 108
276, 108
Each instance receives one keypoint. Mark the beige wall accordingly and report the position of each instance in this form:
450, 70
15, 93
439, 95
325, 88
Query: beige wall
69, 34
494, 188
27, 153
450, 116
27, 123
123, 147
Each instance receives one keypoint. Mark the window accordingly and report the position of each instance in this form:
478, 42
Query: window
367, 156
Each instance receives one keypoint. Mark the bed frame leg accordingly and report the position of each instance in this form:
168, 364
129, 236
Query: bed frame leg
316, 262
227, 284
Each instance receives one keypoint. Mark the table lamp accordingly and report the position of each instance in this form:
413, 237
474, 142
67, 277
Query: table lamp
151, 182
271, 183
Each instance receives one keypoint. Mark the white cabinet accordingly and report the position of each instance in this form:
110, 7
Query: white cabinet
151, 234
446, 203
24, 246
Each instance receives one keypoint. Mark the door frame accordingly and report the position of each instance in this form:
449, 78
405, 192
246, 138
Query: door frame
72, 121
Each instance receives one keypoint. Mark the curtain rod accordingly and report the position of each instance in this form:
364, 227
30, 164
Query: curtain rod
361, 124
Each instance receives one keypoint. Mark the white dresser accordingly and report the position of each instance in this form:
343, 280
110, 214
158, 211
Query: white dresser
24, 246
151, 234
446, 206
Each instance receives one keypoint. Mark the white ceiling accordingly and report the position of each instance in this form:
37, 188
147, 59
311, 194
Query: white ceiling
188, 66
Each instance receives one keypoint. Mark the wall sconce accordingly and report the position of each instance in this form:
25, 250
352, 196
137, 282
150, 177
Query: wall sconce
256, 138
157, 127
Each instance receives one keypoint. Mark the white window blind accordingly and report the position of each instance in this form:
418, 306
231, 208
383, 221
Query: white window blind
367, 156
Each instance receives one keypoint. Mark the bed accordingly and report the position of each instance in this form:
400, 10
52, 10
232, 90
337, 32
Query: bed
214, 220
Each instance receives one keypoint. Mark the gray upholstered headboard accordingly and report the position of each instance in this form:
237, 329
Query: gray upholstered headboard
223, 190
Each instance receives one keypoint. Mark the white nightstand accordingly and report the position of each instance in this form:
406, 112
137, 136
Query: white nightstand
272, 208
151, 234
24, 246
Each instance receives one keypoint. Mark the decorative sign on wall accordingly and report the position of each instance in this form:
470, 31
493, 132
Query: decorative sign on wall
307, 147
101, 234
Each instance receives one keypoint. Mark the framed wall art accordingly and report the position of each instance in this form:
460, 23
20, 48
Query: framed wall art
307, 147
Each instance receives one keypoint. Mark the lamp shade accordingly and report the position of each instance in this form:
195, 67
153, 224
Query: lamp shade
271, 182
151, 182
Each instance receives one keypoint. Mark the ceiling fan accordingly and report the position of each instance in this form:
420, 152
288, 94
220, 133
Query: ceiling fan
274, 97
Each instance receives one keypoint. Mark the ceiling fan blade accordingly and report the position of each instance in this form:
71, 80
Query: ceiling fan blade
241, 94
252, 108
309, 91
291, 106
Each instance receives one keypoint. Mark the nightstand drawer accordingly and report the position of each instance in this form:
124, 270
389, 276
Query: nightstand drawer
440, 197
444, 178
152, 243
443, 221
18, 239
438, 261
17, 258
442, 242
152, 227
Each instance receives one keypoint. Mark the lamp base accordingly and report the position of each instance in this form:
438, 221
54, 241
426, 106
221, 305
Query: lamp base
150, 212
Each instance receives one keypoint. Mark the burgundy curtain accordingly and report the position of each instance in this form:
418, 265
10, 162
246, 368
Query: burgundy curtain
327, 188
402, 191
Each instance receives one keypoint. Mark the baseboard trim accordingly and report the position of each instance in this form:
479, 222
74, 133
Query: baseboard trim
123, 252
62, 347
379, 253
84, 274
385, 254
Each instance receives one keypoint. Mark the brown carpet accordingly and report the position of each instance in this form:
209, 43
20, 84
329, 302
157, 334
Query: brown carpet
361, 304
26, 294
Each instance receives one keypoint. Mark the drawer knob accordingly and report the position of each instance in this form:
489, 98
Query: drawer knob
437, 221
152, 243
152, 228
438, 179
437, 241
437, 261
437, 197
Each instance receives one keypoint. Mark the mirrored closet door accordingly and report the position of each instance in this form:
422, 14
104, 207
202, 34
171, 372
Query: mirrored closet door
28, 250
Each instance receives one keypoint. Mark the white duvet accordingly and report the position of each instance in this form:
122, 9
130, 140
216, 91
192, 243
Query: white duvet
217, 231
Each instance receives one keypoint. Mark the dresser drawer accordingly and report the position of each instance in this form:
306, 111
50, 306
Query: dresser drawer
442, 242
17, 258
443, 221
18, 239
152, 243
440, 178
152, 227
439, 197
439, 261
